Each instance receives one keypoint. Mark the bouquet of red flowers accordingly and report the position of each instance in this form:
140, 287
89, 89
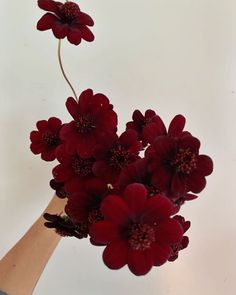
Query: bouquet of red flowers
123, 191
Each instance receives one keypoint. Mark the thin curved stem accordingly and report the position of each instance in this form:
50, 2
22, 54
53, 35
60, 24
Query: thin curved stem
62, 70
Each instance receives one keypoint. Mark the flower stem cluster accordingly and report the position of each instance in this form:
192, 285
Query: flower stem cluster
115, 196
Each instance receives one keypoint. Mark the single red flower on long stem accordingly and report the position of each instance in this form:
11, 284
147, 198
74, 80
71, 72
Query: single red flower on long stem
65, 20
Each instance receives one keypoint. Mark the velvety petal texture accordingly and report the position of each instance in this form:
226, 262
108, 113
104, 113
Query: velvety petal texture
137, 230
65, 20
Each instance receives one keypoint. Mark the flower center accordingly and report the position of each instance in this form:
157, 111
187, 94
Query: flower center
119, 157
50, 139
152, 190
82, 167
69, 11
185, 161
94, 216
84, 124
141, 236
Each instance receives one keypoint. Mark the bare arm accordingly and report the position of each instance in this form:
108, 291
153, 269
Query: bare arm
22, 266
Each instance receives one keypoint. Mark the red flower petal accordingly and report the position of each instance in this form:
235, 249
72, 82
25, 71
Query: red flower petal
161, 129
48, 155
42, 125
128, 138
114, 209
176, 125
204, 165
36, 148
164, 145
74, 36
161, 178
48, 5
160, 254
140, 262
85, 100
156, 208
137, 116
85, 19
104, 232
196, 183
72, 107
150, 132
60, 30
46, 22
35, 136
178, 184
86, 34
54, 123
189, 142
169, 232
135, 195
115, 255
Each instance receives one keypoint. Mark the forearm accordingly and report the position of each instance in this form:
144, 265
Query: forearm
22, 266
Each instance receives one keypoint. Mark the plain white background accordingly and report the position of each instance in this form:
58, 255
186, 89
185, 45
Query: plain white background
174, 56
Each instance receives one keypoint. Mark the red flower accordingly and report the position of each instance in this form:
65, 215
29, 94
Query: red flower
84, 207
93, 117
64, 226
157, 128
138, 172
150, 126
46, 139
73, 170
185, 240
65, 20
144, 124
114, 153
137, 231
177, 162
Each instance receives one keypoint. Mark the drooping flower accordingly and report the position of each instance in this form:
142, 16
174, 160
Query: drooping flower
46, 139
175, 248
63, 226
65, 20
115, 153
178, 163
73, 170
93, 118
84, 207
137, 231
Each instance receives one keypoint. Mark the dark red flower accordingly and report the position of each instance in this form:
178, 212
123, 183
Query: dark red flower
150, 126
84, 207
65, 20
185, 240
93, 118
137, 172
46, 139
177, 162
73, 170
64, 226
59, 188
157, 128
137, 231
147, 125
114, 153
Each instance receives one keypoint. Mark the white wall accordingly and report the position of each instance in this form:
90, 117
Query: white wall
175, 56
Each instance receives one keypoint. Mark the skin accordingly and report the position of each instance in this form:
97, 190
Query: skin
21, 267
